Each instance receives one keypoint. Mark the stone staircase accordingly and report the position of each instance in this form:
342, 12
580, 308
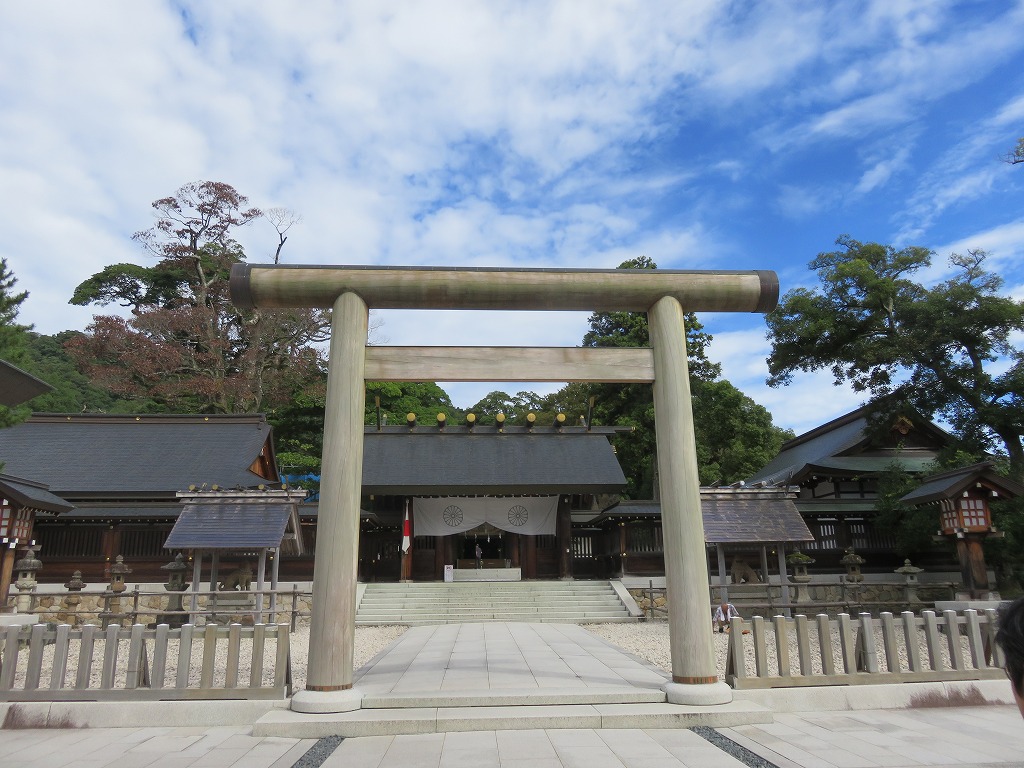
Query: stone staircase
570, 602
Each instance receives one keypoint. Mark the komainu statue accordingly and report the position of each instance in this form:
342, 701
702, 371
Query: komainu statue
240, 578
742, 572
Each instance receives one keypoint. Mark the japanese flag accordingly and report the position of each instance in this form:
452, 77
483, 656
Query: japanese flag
406, 530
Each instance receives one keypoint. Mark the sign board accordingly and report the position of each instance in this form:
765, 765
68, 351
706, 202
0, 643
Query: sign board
449, 573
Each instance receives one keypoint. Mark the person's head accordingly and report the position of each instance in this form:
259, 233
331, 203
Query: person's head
1011, 639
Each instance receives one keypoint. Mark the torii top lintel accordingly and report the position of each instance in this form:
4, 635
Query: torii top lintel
592, 290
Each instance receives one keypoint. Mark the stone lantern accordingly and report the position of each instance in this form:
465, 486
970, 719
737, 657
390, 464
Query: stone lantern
175, 585
963, 497
112, 597
852, 561
800, 577
909, 573
72, 600
26, 569
117, 573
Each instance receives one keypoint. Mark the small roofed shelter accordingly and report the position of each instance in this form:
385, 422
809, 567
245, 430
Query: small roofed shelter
737, 519
18, 386
963, 497
20, 501
241, 524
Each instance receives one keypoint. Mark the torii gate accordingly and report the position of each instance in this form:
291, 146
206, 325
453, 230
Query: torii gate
351, 291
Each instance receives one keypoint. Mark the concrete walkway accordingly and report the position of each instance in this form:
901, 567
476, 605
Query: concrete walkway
505, 676
455, 695
990, 735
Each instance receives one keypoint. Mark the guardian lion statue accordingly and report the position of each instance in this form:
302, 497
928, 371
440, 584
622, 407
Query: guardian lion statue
742, 572
240, 579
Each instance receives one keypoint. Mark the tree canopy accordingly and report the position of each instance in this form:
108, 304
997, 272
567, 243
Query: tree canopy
185, 345
947, 350
13, 336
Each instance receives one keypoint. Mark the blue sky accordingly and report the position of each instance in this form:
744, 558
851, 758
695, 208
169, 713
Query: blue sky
705, 135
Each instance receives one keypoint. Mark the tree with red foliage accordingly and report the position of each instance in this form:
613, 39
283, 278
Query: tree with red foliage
186, 346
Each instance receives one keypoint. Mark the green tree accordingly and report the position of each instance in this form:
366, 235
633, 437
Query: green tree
13, 336
73, 392
515, 407
735, 436
186, 346
947, 350
912, 527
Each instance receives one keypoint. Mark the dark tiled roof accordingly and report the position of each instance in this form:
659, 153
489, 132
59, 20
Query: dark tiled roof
93, 454
949, 484
31, 494
403, 462
226, 525
122, 512
736, 517
829, 447
18, 386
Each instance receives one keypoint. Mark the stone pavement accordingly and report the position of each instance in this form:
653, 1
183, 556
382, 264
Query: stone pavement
991, 735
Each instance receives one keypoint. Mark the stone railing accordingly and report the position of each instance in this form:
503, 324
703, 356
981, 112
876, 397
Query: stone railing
805, 651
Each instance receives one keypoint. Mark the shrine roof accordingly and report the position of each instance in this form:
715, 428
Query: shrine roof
952, 483
100, 455
32, 495
18, 386
243, 522
482, 461
735, 516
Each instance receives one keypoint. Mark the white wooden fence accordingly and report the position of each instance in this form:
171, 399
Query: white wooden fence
845, 651
57, 663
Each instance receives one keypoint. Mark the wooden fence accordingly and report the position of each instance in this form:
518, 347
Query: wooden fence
57, 663
845, 651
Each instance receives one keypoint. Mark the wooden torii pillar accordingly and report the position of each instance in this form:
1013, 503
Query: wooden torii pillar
351, 291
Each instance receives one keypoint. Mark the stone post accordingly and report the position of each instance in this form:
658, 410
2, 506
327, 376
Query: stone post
694, 675
333, 619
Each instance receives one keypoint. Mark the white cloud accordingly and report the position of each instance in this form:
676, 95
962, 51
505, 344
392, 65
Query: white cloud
811, 399
881, 171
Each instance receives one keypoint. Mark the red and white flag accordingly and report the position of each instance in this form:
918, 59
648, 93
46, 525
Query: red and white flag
406, 530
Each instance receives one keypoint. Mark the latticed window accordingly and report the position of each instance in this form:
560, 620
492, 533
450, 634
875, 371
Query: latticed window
75, 541
143, 542
973, 513
825, 534
15, 523
644, 538
582, 545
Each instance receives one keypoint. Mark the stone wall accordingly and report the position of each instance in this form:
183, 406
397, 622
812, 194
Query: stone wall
51, 604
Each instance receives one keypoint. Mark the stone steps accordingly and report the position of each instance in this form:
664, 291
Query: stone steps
461, 602
448, 719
